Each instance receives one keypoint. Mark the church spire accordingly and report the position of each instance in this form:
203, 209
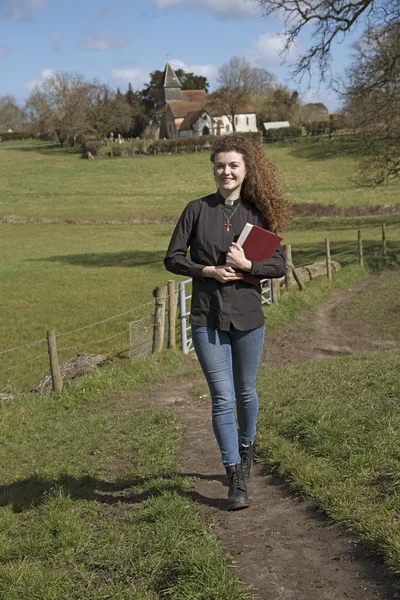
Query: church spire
170, 86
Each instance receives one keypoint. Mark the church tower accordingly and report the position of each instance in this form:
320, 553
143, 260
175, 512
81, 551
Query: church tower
170, 86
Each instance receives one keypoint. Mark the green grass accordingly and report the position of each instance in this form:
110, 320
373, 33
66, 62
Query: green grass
68, 276
41, 180
92, 503
332, 429
65, 277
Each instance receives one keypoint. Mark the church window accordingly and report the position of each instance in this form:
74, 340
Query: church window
227, 129
247, 120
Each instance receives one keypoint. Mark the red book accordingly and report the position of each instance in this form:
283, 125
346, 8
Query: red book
257, 243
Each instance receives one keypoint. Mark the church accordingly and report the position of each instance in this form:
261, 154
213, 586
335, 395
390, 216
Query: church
183, 113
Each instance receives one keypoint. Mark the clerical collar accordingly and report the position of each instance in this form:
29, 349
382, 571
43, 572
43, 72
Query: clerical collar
227, 202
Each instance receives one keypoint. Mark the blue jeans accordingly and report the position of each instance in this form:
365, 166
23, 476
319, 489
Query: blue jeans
229, 360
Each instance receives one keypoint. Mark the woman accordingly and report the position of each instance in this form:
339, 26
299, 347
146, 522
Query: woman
226, 316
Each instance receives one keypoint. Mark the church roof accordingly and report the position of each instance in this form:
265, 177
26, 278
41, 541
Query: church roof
180, 108
194, 95
169, 78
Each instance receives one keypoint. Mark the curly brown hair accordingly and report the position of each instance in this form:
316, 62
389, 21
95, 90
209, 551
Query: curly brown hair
260, 186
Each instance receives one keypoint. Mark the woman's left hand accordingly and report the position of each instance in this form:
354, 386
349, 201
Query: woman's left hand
235, 257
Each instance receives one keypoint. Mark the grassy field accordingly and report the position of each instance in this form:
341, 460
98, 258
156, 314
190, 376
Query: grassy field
92, 504
332, 428
40, 180
69, 276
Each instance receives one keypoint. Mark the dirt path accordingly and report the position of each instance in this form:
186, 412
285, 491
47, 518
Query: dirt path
321, 334
285, 548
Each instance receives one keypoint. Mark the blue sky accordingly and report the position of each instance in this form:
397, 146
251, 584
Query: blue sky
117, 41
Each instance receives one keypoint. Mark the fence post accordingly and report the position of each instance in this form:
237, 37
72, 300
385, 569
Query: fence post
54, 366
384, 239
171, 314
289, 272
328, 259
275, 291
360, 248
160, 294
182, 314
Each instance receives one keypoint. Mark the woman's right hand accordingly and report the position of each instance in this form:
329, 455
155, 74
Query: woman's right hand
222, 273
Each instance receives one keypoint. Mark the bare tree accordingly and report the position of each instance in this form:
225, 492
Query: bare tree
239, 83
330, 19
11, 115
60, 105
372, 103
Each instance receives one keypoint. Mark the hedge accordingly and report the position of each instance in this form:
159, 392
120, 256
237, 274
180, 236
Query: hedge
275, 135
193, 143
324, 127
6, 136
154, 147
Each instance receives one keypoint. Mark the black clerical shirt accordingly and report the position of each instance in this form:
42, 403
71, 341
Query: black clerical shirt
201, 227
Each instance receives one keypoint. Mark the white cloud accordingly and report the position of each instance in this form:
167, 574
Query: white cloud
136, 76
101, 42
46, 73
209, 71
4, 50
19, 10
220, 8
57, 42
268, 50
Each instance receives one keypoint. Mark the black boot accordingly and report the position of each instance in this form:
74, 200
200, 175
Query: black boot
246, 459
237, 495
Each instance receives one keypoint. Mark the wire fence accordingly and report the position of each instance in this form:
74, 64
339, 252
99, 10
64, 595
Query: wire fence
120, 335
131, 333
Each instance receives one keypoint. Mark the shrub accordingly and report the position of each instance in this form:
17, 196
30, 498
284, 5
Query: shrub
116, 150
317, 127
254, 136
18, 135
193, 143
91, 145
184, 144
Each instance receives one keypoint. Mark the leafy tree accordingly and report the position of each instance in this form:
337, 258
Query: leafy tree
132, 98
190, 81
107, 112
